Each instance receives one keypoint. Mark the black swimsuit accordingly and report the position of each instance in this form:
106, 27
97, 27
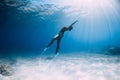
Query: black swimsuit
61, 33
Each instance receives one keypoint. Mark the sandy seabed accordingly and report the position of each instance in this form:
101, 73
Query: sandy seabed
66, 67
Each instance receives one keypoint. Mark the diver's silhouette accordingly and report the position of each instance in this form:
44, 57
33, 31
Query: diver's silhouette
60, 35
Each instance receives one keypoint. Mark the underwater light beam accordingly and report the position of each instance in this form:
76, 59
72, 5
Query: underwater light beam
99, 18
96, 14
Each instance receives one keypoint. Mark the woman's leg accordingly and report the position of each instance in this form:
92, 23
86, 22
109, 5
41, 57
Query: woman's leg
51, 42
54, 38
58, 45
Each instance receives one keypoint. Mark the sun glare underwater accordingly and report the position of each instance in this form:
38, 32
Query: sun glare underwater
90, 51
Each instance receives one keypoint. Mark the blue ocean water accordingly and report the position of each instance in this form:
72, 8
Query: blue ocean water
89, 51
28, 26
